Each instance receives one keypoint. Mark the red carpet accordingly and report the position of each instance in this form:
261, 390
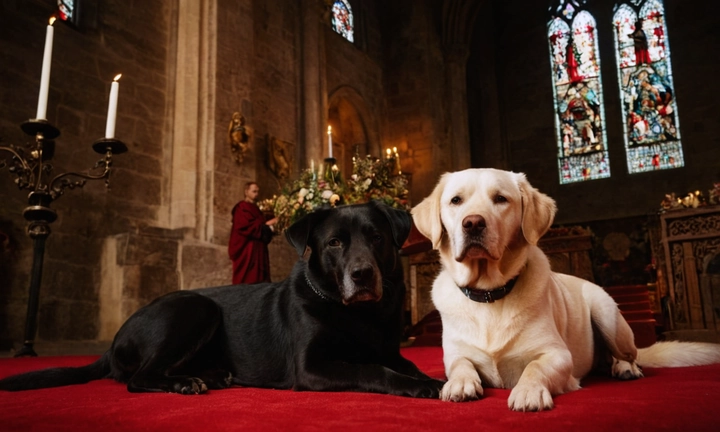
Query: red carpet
666, 399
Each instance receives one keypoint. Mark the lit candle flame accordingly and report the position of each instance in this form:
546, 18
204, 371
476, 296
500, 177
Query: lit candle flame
51, 21
117, 77
329, 130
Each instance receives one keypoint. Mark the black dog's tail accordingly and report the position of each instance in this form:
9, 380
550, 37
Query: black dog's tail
56, 377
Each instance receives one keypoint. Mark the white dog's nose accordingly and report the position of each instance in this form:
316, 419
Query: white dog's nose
473, 224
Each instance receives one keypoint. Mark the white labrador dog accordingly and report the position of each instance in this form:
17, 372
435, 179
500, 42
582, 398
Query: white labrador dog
508, 320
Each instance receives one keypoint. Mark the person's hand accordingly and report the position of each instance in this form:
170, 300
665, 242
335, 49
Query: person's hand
272, 221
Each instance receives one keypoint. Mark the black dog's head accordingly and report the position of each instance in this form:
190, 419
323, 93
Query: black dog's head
352, 250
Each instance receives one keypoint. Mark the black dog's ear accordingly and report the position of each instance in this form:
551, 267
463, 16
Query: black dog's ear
299, 232
400, 221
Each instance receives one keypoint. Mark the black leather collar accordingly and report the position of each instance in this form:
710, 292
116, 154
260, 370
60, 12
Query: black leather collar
489, 296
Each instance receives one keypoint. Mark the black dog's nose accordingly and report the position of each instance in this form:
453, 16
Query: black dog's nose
473, 224
364, 274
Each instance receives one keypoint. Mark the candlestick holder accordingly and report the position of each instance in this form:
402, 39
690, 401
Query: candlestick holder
332, 172
32, 170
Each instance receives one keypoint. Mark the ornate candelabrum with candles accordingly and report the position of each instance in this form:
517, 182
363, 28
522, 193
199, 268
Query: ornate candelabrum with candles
33, 172
30, 164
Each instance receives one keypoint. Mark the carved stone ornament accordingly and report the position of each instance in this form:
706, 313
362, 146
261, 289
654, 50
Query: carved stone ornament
239, 137
280, 156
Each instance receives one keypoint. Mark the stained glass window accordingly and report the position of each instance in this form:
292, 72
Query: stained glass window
67, 10
650, 116
342, 19
578, 95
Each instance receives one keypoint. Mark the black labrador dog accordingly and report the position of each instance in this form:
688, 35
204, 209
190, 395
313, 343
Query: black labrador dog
334, 325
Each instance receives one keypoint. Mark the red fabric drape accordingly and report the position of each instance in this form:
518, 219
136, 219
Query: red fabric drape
247, 247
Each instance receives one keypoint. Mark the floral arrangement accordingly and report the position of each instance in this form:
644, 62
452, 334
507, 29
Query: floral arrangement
372, 179
691, 200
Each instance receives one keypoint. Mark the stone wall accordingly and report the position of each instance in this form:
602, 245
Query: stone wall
416, 103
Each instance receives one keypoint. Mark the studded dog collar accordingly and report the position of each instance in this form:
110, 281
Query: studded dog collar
315, 290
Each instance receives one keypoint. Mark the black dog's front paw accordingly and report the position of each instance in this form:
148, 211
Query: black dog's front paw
190, 386
429, 388
217, 379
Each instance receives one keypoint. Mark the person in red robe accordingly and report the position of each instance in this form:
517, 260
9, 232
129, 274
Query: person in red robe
249, 238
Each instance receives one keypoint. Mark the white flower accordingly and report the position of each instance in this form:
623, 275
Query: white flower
367, 182
303, 192
354, 177
326, 194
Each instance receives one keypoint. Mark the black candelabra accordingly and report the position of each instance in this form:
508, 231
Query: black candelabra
33, 172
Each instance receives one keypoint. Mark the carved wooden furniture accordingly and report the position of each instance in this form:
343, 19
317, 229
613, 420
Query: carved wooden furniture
690, 239
569, 253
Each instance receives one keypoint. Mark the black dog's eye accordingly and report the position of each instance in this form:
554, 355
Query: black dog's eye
499, 199
377, 238
334, 242
456, 200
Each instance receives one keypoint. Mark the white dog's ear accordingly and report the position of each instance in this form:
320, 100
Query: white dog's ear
538, 211
426, 215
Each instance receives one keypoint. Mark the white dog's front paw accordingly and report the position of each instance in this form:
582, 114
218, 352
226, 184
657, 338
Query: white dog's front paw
625, 371
530, 397
462, 389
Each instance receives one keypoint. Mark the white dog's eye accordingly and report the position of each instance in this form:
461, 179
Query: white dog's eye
456, 200
499, 199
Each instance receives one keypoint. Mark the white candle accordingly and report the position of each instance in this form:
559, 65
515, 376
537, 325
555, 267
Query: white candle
112, 108
330, 141
45, 74
397, 160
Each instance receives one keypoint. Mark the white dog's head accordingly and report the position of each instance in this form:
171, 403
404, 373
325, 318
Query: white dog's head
481, 221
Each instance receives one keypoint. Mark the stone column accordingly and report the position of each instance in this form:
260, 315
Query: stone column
181, 210
314, 94
456, 56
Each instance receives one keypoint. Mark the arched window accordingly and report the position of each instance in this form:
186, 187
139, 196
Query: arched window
342, 19
578, 95
650, 117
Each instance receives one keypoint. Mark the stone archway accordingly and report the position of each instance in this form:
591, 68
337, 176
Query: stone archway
354, 127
